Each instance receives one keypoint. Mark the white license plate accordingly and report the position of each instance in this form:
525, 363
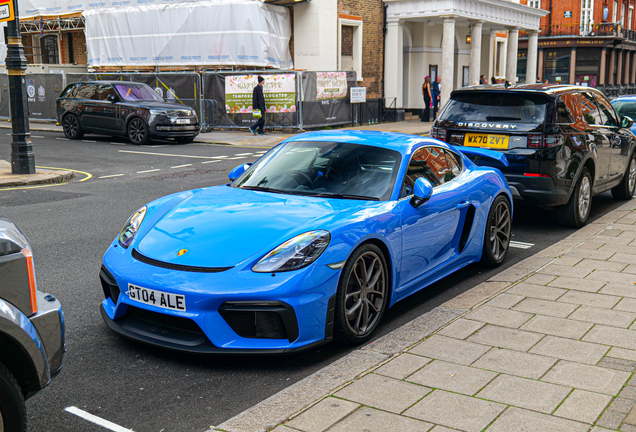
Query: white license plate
183, 121
157, 298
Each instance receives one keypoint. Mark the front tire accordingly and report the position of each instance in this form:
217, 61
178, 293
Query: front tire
72, 128
625, 190
497, 234
12, 408
138, 132
362, 296
576, 212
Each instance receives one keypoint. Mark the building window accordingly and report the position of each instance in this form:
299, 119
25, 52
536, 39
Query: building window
586, 16
615, 11
557, 65
350, 45
623, 15
50, 49
522, 63
629, 17
499, 71
535, 4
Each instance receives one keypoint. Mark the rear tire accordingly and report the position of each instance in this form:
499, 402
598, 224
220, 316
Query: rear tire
625, 190
362, 296
497, 234
12, 408
72, 128
576, 212
138, 132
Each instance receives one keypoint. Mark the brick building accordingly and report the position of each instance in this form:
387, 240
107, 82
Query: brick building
585, 42
54, 40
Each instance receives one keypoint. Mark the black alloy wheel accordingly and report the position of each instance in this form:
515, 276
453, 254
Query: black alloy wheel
362, 296
72, 128
497, 234
12, 408
625, 190
138, 132
576, 212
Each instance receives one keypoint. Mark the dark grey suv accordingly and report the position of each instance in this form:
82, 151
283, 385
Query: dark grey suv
31, 330
564, 144
133, 110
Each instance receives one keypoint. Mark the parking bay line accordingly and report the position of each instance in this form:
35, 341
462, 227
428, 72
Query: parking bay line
96, 420
113, 175
212, 161
239, 157
165, 154
63, 139
181, 166
150, 170
521, 245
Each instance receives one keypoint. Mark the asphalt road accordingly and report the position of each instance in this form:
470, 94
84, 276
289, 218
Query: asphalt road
143, 388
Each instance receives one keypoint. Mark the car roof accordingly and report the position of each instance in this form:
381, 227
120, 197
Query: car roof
550, 89
400, 142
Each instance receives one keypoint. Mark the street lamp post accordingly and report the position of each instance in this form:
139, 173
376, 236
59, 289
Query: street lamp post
22, 158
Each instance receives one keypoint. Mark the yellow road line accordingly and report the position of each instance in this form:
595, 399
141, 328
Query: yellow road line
88, 175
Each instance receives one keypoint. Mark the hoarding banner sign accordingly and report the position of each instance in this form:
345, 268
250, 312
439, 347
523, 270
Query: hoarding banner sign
331, 85
279, 91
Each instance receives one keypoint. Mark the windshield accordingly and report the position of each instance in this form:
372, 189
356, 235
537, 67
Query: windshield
625, 108
496, 106
325, 169
137, 93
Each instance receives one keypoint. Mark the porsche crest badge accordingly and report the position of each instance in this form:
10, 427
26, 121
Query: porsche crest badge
181, 252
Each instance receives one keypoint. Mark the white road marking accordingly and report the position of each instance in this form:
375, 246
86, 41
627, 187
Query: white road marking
33, 136
96, 420
63, 139
521, 245
240, 157
262, 152
219, 157
109, 176
147, 171
89, 141
243, 154
211, 161
165, 154
181, 166
160, 145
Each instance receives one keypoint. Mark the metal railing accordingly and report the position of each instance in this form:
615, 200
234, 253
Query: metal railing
585, 30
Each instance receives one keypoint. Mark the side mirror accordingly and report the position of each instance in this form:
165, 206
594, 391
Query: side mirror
238, 171
422, 192
111, 98
626, 122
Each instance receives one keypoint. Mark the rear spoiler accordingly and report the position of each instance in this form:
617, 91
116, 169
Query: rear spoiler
480, 152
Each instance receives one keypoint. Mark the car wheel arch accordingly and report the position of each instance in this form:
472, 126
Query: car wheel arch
20, 364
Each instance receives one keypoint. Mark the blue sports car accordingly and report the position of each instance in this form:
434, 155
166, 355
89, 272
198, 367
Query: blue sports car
312, 242
625, 106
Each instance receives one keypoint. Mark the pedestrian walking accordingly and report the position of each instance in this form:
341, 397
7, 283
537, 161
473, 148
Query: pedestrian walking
436, 90
426, 92
258, 103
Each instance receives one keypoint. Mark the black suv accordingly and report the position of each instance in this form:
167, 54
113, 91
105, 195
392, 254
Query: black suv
124, 108
564, 144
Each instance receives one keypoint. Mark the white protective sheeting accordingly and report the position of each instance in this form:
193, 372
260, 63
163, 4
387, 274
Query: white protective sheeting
214, 32
34, 8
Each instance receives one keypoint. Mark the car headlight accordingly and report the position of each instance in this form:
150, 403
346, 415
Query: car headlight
130, 229
295, 253
155, 112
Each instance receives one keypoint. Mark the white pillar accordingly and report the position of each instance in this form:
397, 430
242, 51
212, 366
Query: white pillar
511, 55
448, 60
475, 53
394, 63
531, 65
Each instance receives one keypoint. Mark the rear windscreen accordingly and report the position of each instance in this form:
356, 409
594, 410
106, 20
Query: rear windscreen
494, 106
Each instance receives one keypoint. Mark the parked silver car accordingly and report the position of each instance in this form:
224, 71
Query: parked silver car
31, 329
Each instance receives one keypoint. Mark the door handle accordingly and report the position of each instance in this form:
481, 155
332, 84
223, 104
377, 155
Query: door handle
463, 204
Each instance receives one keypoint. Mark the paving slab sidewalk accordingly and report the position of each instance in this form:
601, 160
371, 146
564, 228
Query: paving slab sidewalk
546, 345
41, 177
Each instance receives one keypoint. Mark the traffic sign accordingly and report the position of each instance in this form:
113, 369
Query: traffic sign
6, 10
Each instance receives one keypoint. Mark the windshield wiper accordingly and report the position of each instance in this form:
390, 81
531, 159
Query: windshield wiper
265, 189
493, 118
344, 196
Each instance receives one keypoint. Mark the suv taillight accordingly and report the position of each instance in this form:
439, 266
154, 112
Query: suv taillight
544, 141
439, 133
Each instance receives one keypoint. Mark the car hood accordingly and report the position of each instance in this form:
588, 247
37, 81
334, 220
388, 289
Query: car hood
159, 105
223, 226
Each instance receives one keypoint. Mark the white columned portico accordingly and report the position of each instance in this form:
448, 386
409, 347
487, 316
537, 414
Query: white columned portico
394, 62
531, 65
448, 59
511, 55
475, 52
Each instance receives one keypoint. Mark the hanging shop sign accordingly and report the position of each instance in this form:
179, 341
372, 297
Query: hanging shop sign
331, 85
279, 92
6, 10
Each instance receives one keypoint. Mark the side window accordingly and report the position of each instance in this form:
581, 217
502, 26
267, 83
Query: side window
84, 91
566, 108
608, 118
454, 164
103, 91
432, 163
589, 110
